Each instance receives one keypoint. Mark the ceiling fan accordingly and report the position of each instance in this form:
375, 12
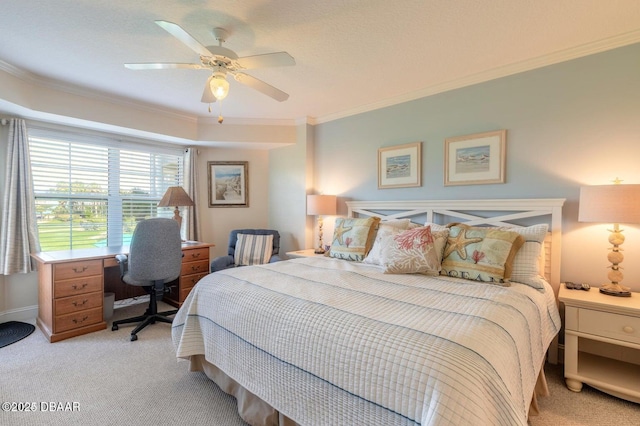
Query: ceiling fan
222, 62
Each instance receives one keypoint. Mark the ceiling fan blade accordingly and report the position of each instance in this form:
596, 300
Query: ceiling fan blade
186, 38
277, 59
261, 86
207, 94
163, 66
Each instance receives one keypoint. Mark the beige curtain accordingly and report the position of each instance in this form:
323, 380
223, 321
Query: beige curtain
191, 186
18, 229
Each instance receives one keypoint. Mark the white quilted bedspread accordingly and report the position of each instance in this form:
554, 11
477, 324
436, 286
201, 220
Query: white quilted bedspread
331, 342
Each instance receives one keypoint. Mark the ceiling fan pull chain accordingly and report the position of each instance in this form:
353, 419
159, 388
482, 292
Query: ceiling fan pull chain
220, 118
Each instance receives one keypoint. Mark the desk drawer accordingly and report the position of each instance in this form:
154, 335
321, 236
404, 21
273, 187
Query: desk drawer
196, 254
195, 267
65, 271
614, 326
79, 302
78, 319
77, 286
188, 281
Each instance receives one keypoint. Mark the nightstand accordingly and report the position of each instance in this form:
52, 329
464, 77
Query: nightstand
303, 253
602, 342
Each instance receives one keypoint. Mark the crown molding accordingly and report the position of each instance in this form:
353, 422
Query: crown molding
495, 73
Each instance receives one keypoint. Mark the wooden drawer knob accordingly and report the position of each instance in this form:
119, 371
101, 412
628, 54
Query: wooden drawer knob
628, 329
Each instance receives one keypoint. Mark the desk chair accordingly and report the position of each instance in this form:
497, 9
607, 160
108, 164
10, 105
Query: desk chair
155, 258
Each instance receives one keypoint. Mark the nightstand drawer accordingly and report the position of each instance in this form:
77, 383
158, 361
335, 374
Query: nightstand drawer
614, 326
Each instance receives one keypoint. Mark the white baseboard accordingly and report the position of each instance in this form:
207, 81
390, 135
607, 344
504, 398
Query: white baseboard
25, 314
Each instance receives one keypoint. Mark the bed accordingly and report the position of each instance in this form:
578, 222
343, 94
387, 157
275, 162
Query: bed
323, 340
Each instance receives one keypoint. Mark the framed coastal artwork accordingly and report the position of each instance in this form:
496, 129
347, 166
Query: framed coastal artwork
399, 166
475, 159
228, 183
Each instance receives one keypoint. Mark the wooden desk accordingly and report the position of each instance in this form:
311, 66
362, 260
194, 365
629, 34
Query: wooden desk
71, 286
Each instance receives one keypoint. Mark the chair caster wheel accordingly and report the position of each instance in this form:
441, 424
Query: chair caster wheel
134, 337
114, 327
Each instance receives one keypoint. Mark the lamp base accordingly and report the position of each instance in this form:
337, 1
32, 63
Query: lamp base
612, 289
319, 250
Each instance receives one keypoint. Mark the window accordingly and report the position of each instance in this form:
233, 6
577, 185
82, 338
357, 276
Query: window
91, 191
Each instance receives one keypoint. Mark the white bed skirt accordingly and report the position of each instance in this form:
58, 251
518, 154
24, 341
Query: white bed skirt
257, 412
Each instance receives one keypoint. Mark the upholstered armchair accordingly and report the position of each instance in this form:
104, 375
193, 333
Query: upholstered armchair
229, 261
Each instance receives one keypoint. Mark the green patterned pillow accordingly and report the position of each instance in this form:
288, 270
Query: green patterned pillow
480, 254
353, 238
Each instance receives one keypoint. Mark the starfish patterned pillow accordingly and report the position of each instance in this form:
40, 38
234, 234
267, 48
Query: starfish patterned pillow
353, 238
409, 252
480, 254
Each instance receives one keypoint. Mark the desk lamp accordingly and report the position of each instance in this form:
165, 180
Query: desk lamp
319, 205
176, 196
613, 204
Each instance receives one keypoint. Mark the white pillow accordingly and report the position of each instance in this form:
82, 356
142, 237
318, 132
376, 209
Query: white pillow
253, 249
526, 264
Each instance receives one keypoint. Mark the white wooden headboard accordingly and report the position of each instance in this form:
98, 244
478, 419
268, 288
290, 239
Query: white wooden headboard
482, 212
504, 212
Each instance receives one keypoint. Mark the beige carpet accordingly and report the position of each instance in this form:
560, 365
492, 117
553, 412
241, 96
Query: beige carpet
117, 382
113, 381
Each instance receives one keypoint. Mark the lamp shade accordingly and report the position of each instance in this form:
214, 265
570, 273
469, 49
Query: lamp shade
175, 196
321, 205
610, 204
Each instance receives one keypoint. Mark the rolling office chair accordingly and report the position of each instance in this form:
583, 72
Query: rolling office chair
155, 258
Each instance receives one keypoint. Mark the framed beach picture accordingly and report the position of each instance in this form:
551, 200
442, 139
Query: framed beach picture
228, 183
475, 159
399, 166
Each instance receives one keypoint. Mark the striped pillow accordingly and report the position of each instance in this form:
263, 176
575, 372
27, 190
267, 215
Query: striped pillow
253, 249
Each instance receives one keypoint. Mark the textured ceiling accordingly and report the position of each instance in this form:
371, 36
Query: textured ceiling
350, 55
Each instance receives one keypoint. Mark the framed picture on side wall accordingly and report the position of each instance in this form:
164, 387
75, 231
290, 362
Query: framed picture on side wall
475, 159
399, 166
228, 183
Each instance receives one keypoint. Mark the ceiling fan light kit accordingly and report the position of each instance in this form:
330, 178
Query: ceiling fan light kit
222, 61
219, 85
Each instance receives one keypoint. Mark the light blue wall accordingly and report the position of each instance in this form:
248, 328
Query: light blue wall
571, 124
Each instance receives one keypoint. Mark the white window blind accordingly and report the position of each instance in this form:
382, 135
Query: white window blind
93, 194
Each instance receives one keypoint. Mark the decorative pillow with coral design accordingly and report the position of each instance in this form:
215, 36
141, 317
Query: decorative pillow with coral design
411, 251
384, 230
480, 254
353, 238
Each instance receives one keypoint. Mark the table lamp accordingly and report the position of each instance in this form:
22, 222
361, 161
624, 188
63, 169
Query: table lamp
176, 196
613, 204
319, 205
